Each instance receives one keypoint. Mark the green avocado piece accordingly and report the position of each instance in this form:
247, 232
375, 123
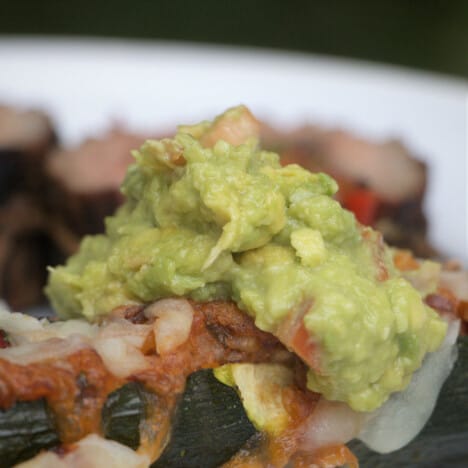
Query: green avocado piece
229, 222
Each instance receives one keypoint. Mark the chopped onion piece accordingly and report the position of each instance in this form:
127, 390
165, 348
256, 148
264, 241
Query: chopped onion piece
172, 325
403, 416
119, 344
120, 358
133, 334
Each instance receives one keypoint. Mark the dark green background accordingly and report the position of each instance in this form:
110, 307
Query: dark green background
431, 35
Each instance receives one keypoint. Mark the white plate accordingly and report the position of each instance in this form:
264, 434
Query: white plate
85, 84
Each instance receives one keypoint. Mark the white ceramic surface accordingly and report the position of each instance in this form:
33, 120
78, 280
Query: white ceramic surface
86, 84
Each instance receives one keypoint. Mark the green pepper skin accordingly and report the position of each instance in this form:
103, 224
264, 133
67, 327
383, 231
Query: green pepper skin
28, 426
122, 413
209, 426
25, 429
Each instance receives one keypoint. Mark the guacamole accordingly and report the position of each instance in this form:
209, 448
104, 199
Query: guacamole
210, 215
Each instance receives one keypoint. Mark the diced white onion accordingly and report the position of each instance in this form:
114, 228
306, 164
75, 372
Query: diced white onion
119, 343
173, 323
133, 334
119, 357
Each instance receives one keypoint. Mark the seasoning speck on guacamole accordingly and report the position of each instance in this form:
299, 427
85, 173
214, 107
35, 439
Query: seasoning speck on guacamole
210, 215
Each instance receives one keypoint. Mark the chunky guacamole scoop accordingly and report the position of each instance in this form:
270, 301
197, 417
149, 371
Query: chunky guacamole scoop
210, 215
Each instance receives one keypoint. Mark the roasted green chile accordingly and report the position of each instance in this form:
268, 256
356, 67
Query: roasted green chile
210, 425
25, 429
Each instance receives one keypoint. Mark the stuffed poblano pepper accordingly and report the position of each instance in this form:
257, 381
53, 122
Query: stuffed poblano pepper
233, 314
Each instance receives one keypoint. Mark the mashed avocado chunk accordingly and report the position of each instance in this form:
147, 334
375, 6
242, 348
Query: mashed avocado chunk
209, 215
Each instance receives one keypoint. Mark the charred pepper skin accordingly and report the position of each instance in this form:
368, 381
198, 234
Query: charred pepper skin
25, 429
209, 426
